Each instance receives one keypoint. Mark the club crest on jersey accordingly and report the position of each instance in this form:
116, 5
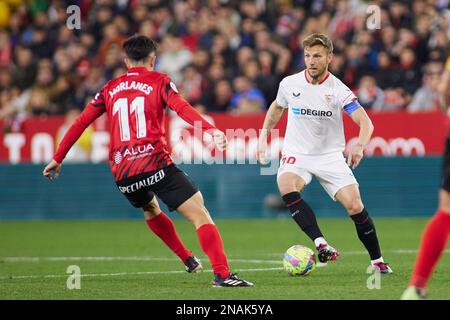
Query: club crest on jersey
328, 98
117, 157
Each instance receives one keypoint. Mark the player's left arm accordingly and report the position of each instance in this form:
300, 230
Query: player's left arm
360, 117
92, 111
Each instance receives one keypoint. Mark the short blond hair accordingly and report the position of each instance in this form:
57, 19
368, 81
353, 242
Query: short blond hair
318, 39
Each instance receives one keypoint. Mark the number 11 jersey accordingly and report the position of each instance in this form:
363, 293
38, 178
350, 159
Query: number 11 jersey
135, 105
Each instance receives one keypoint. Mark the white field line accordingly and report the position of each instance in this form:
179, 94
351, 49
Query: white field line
130, 258
149, 258
122, 274
357, 253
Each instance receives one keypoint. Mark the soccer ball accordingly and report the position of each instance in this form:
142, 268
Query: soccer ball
299, 260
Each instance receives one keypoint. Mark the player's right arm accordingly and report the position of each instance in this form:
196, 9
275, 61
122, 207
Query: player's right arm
92, 111
272, 117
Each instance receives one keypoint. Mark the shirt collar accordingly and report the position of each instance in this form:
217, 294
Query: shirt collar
322, 81
136, 70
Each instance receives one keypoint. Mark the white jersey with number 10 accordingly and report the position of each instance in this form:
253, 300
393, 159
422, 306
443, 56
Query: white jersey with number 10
315, 124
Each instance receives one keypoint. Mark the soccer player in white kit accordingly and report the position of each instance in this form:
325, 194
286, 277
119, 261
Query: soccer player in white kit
314, 144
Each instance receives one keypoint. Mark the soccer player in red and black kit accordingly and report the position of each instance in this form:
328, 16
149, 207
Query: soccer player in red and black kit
135, 104
437, 231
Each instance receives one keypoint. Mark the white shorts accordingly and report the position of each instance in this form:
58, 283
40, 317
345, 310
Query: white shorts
331, 170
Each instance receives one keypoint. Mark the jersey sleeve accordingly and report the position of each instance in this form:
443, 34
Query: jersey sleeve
177, 103
281, 97
92, 111
348, 101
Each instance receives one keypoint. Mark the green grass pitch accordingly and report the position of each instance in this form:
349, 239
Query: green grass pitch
124, 260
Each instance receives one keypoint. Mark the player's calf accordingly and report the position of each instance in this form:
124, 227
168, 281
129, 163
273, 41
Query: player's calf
303, 215
367, 234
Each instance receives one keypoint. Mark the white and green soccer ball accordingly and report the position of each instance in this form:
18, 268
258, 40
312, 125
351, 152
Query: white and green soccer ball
299, 260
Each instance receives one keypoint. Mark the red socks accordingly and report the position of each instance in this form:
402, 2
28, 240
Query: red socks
212, 245
433, 243
209, 238
164, 228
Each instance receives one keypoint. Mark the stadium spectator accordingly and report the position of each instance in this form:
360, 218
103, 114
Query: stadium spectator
385, 74
428, 97
201, 60
394, 99
219, 38
369, 94
410, 74
221, 97
81, 150
265, 82
5, 48
26, 69
174, 57
247, 98
191, 87
91, 84
39, 103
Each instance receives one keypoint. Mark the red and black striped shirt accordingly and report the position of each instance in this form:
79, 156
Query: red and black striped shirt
135, 105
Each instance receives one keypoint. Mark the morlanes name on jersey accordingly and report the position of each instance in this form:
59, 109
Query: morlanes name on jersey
134, 85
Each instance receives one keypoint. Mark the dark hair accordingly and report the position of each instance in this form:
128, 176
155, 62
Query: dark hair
138, 47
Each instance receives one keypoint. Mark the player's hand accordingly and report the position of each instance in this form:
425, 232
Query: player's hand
52, 170
220, 140
261, 149
355, 156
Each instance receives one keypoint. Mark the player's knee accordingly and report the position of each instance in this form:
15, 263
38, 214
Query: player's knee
198, 216
286, 187
150, 215
444, 201
288, 182
355, 207
201, 218
151, 209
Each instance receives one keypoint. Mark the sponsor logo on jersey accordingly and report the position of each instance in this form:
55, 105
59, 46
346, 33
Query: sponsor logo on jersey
311, 112
158, 176
133, 153
296, 95
138, 150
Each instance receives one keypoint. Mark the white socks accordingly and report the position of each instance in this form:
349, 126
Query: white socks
372, 262
319, 241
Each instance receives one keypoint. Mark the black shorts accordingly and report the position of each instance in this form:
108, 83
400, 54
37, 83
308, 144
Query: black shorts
445, 184
172, 185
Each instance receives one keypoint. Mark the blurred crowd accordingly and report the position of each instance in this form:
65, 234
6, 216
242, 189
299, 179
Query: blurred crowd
224, 55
